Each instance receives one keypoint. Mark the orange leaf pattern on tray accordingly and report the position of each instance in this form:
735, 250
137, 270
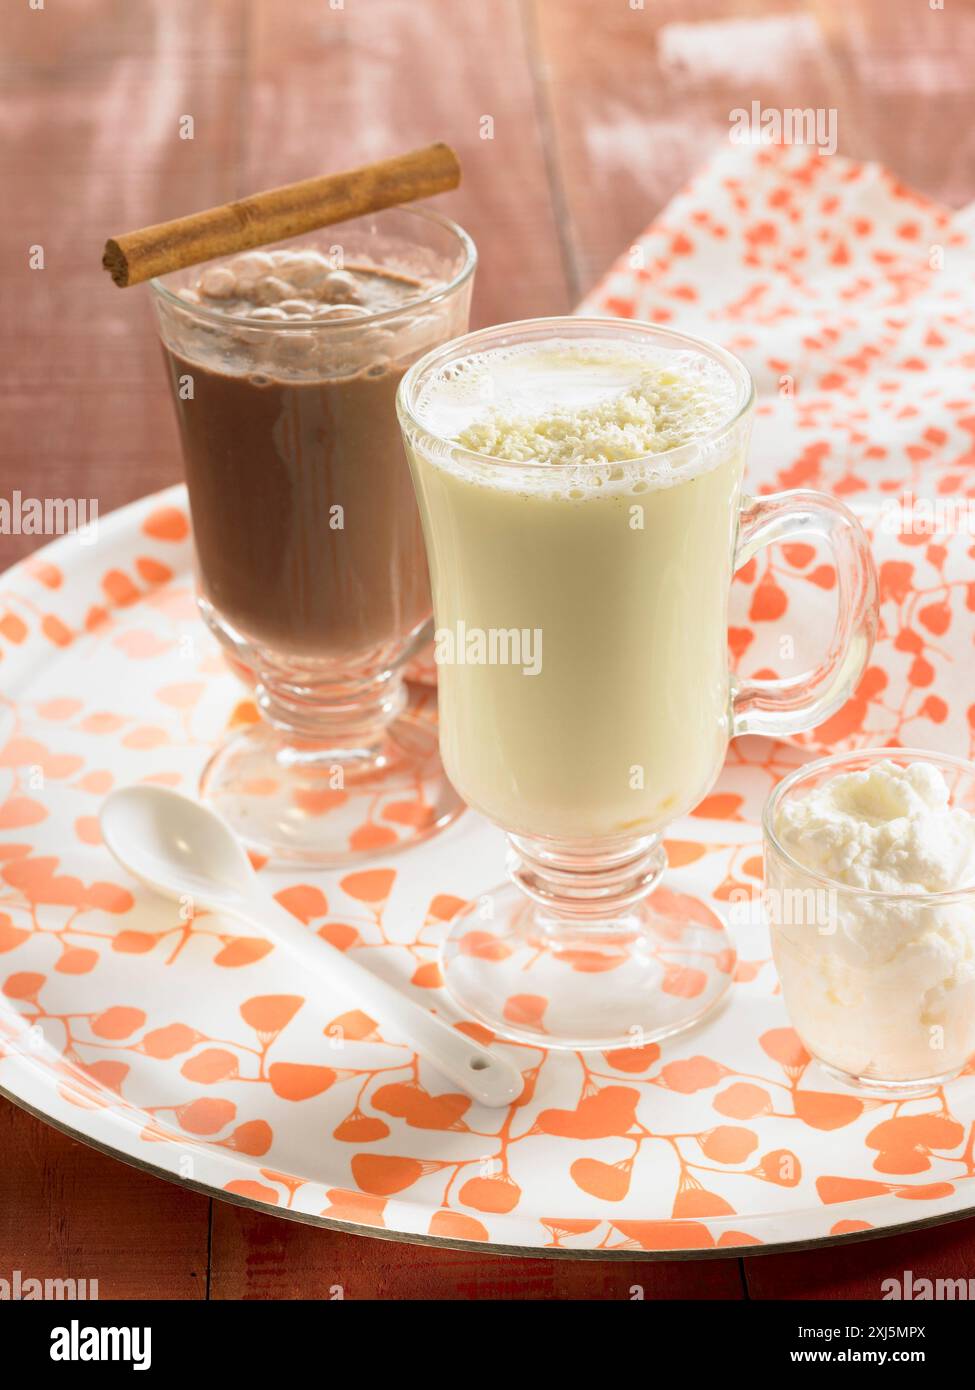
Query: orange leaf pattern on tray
187, 1042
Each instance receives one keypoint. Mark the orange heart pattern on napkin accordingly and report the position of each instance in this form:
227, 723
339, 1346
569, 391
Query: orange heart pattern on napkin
851, 300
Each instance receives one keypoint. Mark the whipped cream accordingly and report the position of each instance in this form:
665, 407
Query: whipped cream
879, 987
891, 829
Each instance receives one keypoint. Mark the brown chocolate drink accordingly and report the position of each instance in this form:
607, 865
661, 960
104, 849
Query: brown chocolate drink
307, 534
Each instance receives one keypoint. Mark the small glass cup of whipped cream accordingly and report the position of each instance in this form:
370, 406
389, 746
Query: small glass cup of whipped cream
870, 895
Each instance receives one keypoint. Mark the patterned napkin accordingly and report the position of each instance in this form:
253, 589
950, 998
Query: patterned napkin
850, 298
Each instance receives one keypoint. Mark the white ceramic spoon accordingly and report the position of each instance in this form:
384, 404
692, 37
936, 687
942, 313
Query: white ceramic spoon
181, 849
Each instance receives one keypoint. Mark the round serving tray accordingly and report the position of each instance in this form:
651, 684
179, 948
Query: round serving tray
187, 1046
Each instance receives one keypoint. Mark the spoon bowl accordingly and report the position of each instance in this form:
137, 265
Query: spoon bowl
174, 845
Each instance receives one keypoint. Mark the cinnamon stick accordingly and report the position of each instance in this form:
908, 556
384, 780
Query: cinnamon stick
279, 213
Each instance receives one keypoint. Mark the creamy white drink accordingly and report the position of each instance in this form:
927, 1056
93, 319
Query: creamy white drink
580, 502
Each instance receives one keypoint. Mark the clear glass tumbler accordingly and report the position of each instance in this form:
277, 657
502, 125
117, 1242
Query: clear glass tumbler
879, 986
310, 561
614, 716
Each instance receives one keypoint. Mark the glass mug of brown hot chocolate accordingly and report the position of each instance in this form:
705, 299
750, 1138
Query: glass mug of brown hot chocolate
311, 570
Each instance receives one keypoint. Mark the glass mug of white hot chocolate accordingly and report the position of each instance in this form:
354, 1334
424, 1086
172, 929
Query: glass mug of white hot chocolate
579, 483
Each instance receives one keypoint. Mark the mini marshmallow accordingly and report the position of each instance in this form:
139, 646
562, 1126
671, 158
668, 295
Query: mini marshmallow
301, 268
340, 311
252, 264
271, 290
219, 282
339, 286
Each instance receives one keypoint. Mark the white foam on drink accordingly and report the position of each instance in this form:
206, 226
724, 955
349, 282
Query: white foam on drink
583, 407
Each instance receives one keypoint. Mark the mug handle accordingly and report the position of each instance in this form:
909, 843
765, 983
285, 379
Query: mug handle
780, 707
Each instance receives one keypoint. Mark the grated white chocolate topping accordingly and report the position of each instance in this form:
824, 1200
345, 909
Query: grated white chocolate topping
568, 403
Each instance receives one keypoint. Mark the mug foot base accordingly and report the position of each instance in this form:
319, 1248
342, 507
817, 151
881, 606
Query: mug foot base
321, 806
509, 965
899, 1090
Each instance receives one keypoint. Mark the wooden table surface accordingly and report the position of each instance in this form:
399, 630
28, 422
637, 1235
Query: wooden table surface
575, 121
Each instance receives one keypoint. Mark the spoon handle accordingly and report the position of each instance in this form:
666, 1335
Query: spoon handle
480, 1073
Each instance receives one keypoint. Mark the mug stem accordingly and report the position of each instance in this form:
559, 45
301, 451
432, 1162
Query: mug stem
341, 715
577, 886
